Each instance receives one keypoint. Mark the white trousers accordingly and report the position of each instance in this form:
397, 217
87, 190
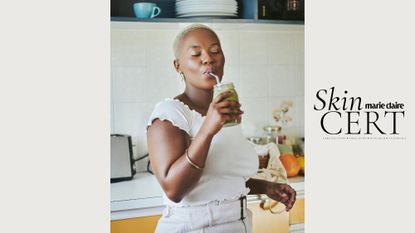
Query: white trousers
214, 217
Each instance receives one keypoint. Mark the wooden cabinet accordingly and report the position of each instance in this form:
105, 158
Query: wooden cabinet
297, 212
134, 225
264, 221
296, 218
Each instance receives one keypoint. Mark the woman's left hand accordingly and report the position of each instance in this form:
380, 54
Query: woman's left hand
282, 193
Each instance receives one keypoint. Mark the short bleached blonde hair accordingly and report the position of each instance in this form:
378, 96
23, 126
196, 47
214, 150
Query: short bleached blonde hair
179, 38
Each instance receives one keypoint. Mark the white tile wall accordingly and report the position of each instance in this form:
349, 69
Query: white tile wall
281, 80
253, 47
255, 114
265, 62
230, 46
281, 47
253, 81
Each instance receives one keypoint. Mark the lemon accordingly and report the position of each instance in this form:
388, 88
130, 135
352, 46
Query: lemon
301, 161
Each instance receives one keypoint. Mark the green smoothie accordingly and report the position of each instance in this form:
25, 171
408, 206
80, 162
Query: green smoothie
222, 87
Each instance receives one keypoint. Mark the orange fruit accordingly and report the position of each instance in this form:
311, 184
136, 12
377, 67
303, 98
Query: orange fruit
290, 163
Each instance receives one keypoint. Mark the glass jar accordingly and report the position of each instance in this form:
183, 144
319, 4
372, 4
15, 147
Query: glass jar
272, 133
222, 87
293, 5
294, 10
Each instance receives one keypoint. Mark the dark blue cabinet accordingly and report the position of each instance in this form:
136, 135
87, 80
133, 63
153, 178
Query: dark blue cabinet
249, 11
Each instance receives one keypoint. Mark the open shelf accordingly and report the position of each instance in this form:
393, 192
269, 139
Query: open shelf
248, 12
203, 19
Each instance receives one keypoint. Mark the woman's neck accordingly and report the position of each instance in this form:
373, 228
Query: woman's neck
197, 99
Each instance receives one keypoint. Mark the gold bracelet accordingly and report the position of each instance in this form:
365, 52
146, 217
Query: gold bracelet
190, 161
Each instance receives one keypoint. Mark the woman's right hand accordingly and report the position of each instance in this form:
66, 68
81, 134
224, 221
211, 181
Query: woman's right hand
220, 111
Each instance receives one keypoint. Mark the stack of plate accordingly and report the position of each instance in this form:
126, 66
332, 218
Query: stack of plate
206, 8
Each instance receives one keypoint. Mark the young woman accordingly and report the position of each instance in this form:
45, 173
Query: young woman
203, 167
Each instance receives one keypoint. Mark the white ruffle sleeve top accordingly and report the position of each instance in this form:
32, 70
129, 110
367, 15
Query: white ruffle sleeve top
230, 162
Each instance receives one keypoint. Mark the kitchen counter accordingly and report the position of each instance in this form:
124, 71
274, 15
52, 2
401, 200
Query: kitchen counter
142, 196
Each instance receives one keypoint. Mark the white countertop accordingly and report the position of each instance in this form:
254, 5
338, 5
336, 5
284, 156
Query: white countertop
142, 196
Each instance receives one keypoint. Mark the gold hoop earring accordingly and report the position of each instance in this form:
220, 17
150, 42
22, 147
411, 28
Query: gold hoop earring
182, 76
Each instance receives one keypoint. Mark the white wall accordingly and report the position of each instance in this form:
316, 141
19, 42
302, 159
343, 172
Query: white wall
265, 62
